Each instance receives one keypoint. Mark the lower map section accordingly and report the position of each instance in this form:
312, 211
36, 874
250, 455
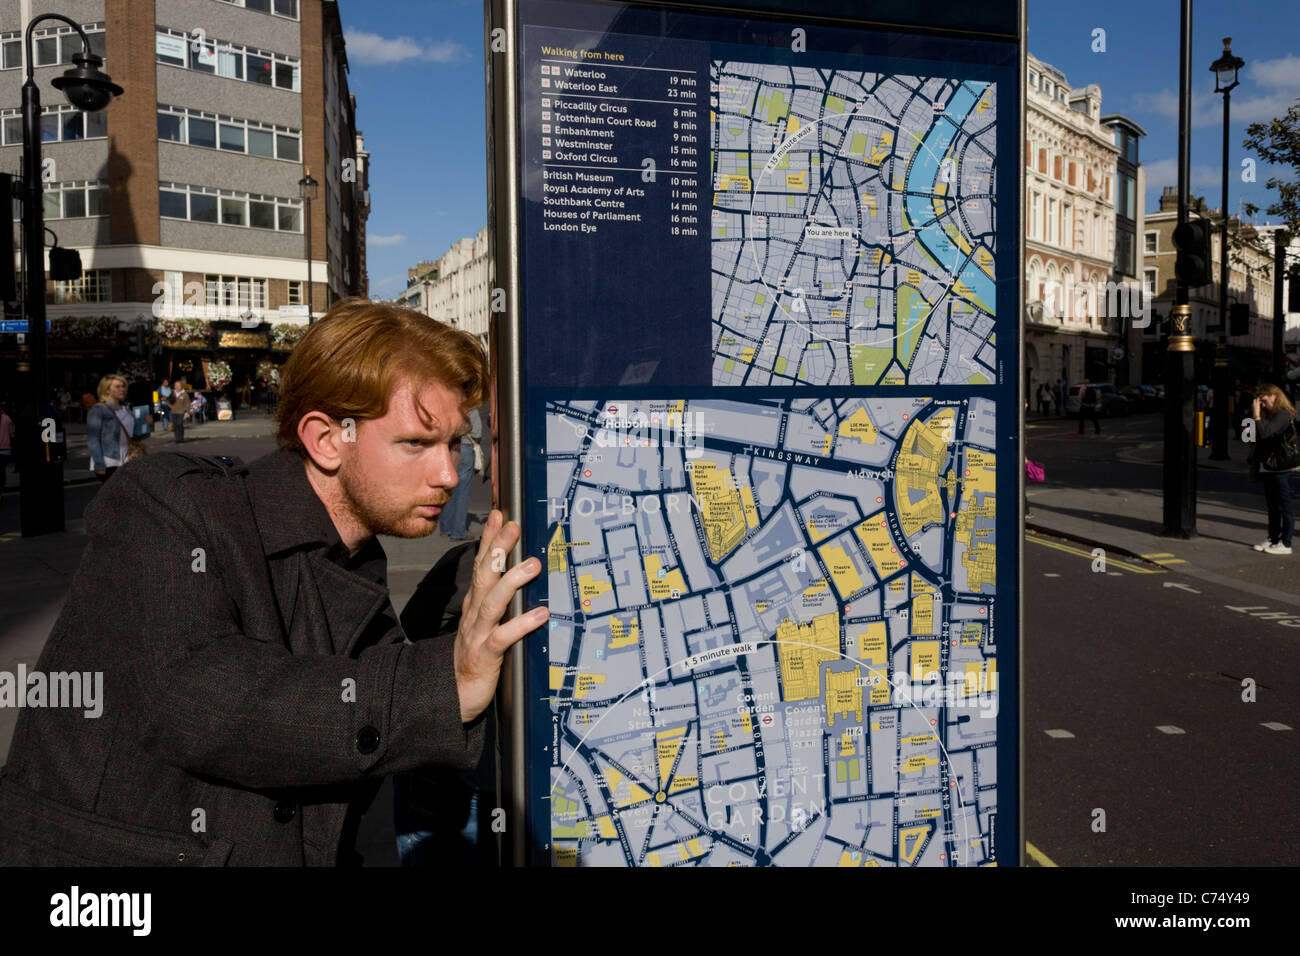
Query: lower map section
772, 638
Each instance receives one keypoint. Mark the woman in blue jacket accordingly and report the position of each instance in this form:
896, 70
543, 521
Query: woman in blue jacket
109, 426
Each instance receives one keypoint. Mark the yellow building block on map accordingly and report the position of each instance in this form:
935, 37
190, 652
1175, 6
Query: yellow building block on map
556, 554
623, 635
925, 660
843, 573
589, 587
667, 743
801, 650
663, 585
876, 539
585, 684
860, 426
796, 180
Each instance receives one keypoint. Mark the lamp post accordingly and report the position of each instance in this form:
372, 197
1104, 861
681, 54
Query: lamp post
307, 189
1225, 81
89, 90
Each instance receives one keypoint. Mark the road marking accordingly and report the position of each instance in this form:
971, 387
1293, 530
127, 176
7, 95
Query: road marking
1274, 725
1050, 574
1184, 587
1110, 562
1059, 734
1163, 557
1284, 618
1037, 855
1170, 729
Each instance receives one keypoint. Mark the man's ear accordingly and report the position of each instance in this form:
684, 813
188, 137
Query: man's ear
322, 438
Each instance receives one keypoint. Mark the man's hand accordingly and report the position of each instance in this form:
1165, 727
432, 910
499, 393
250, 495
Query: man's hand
482, 640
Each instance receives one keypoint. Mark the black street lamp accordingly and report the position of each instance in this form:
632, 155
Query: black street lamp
1225, 81
307, 189
89, 90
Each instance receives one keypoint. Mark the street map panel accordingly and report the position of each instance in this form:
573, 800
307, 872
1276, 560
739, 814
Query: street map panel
772, 636
852, 227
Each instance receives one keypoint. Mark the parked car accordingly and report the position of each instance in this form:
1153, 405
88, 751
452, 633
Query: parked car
1110, 402
1142, 398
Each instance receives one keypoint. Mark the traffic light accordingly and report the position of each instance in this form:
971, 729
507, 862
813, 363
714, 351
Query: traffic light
1192, 240
65, 264
1239, 318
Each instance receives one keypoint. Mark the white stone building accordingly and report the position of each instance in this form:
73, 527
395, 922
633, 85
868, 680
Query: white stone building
1070, 206
457, 290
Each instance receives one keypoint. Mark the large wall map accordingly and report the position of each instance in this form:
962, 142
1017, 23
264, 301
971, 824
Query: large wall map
852, 227
773, 635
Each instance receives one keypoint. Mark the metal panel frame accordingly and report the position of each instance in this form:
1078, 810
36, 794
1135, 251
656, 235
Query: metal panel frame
502, 106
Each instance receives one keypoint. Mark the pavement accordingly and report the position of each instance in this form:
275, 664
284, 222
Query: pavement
1105, 491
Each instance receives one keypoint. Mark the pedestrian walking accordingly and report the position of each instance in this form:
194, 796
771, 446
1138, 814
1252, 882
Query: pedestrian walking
1044, 400
109, 426
180, 408
454, 522
1275, 455
164, 402
6, 449
1088, 406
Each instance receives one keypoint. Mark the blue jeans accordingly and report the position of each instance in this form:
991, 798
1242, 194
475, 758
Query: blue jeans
435, 814
1281, 515
454, 520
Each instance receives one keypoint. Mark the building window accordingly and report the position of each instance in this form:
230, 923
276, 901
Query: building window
53, 47
1051, 220
1149, 281
76, 200
1125, 247
230, 60
214, 131
296, 296
1033, 78
228, 207
11, 51
236, 292
95, 285
1149, 246
59, 124
278, 8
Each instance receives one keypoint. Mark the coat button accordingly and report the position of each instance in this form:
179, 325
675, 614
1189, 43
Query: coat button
367, 740
284, 812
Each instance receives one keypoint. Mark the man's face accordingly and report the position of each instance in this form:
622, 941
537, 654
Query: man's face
401, 469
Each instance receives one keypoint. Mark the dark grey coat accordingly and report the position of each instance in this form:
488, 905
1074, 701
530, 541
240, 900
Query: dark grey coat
252, 703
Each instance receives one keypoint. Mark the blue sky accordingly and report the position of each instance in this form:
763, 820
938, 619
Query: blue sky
417, 73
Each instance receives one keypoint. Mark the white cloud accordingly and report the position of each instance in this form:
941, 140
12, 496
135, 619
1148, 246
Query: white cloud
1280, 79
372, 48
1280, 74
394, 240
387, 280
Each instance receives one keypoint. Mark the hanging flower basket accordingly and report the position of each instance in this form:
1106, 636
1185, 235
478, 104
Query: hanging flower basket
183, 331
81, 328
218, 374
267, 375
285, 335
136, 370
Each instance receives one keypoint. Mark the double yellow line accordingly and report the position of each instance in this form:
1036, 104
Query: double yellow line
1110, 562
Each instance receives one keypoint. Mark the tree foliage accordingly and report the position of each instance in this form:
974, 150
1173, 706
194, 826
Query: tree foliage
1278, 142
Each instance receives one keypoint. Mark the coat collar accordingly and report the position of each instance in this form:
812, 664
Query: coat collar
290, 515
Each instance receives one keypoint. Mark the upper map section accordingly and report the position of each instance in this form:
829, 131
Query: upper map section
852, 227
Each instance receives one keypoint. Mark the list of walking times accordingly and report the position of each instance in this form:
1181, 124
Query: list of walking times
597, 113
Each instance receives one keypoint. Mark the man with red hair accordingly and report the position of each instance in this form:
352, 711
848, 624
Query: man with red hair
250, 715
